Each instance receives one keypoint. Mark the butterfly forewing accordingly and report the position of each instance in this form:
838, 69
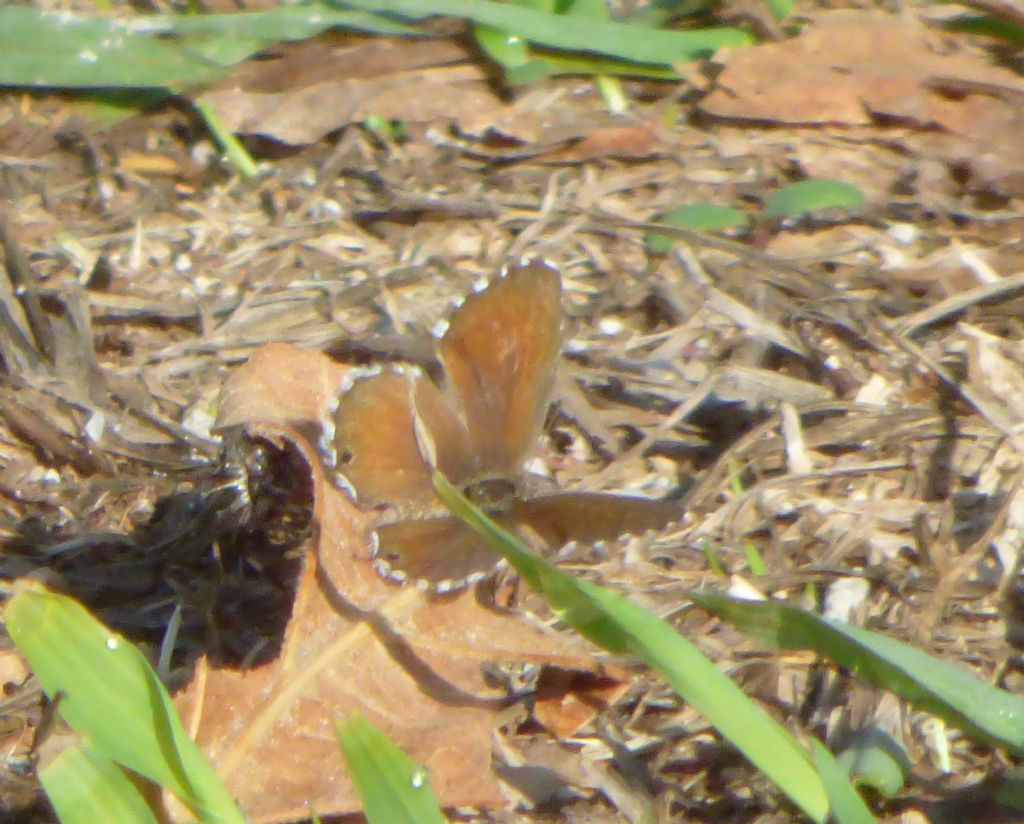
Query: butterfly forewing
499, 355
375, 439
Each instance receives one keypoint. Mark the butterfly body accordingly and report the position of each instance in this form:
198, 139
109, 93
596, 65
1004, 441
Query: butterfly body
390, 427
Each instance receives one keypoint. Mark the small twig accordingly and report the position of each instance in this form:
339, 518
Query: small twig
677, 416
988, 293
22, 281
988, 411
740, 314
778, 271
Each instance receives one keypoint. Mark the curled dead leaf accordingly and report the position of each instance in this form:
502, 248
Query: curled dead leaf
411, 664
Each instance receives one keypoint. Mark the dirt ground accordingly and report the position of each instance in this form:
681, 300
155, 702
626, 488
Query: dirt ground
836, 393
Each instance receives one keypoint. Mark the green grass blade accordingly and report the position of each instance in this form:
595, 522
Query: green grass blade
287, 22
232, 147
392, 788
112, 697
47, 49
620, 40
507, 50
988, 27
780, 9
85, 787
810, 196
941, 688
619, 625
873, 758
847, 806
548, 64
64, 50
60, 49
1010, 791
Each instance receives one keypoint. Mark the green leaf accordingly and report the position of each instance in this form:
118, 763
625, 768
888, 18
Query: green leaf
533, 71
988, 27
507, 50
84, 787
61, 49
620, 40
941, 688
812, 195
112, 697
700, 217
847, 807
617, 624
1010, 791
874, 759
547, 64
236, 154
392, 788
780, 9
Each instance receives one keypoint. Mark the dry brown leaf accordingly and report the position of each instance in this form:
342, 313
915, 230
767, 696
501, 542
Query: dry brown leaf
569, 700
307, 93
636, 140
858, 68
846, 67
307, 90
411, 664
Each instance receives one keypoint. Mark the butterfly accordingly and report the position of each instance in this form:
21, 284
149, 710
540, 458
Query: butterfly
387, 427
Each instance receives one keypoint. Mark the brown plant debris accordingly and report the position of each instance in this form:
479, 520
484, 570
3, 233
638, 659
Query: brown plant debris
837, 395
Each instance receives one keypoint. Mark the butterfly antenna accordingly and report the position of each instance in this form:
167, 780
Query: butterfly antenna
424, 439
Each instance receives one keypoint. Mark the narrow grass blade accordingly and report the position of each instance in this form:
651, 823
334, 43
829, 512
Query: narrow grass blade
988, 27
1010, 792
780, 9
621, 40
506, 49
392, 788
847, 807
112, 697
619, 625
550, 64
233, 149
85, 787
875, 759
941, 688
61, 49
810, 196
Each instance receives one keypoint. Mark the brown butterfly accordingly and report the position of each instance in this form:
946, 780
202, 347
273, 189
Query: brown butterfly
498, 353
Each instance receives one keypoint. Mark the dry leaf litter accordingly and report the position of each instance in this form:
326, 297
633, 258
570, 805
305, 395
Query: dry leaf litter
840, 393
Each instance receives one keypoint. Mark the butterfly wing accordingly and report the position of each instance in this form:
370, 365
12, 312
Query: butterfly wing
442, 555
439, 555
375, 445
499, 354
591, 517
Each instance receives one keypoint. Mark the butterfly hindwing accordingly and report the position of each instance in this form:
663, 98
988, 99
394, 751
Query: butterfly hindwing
439, 555
591, 517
